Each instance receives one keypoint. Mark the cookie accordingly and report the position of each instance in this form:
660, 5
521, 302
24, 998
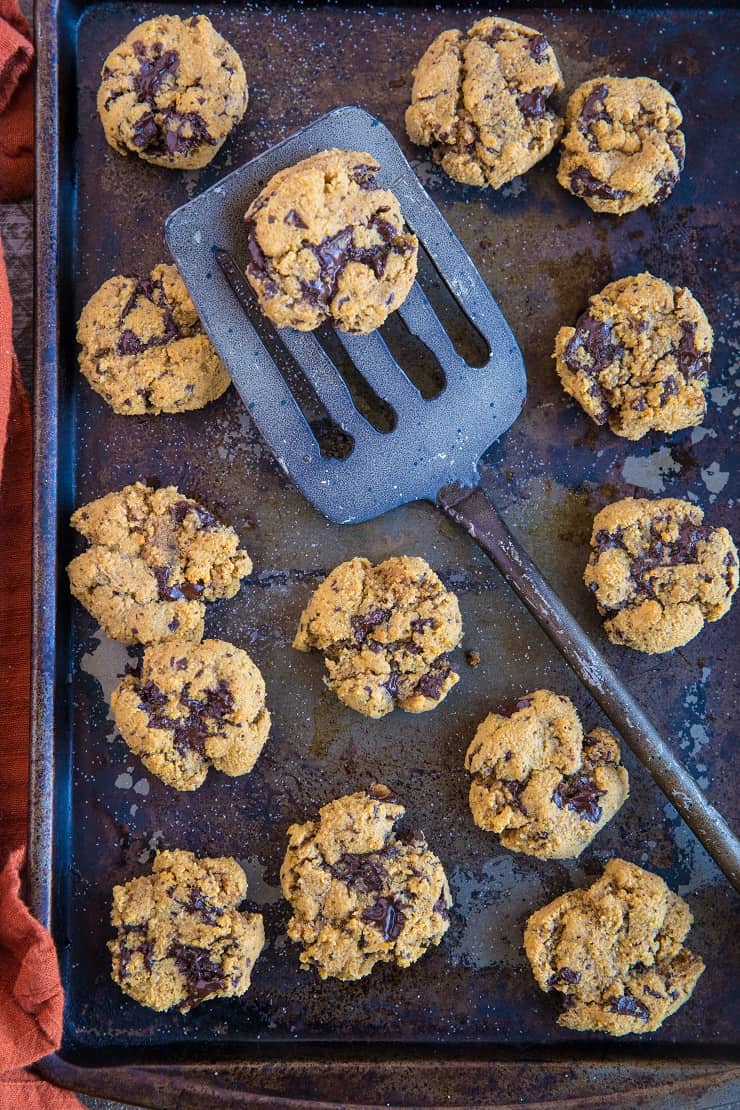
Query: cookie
155, 558
144, 349
481, 101
615, 952
181, 939
361, 893
638, 357
623, 146
326, 242
171, 92
538, 782
385, 632
192, 706
657, 572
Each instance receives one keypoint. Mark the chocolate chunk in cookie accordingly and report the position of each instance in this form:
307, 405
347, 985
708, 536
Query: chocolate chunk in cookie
658, 572
538, 782
623, 146
326, 242
615, 952
181, 939
638, 357
482, 101
385, 633
361, 893
155, 558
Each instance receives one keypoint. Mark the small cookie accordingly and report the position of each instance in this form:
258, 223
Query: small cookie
638, 357
144, 349
181, 939
171, 92
193, 706
481, 101
326, 242
361, 893
623, 147
385, 632
155, 558
615, 952
539, 783
658, 573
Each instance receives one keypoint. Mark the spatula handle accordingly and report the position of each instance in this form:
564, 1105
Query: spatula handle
472, 509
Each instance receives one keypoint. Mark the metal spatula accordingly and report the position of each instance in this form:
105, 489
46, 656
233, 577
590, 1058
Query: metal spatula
433, 450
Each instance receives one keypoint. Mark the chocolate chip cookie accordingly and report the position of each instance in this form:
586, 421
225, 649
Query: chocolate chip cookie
171, 92
326, 242
155, 558
615, 952
638, 357
481, 101
385, 633
657, 572
623, 146
362, 893
192, 706
181, 939
538, 782
144, 349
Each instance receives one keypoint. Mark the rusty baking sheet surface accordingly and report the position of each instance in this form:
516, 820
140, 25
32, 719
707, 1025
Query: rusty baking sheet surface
542, 253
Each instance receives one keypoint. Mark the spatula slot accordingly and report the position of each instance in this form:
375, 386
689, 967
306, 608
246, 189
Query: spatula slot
374, 409
465, 337
417, 359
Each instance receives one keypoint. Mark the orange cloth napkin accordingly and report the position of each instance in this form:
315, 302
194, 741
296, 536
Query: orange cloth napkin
31, 997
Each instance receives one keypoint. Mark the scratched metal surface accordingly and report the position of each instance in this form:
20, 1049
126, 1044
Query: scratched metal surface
542, 253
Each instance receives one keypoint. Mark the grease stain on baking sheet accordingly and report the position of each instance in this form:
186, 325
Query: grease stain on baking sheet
258, 889
714, 479
107, 663
650, 471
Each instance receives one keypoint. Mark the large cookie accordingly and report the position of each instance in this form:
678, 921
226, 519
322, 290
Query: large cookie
326, 242
144, 349
155, 558
538, 782
171, 92
481, 101
615, 952
657, 572
361, 893
181, 939
385, 633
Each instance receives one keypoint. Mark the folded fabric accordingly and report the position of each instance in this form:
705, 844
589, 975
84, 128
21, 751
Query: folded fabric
16, 103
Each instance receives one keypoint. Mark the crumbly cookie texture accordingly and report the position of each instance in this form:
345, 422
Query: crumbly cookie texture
155, 558
181, 939
657, 572
615, 952
171, 92
326, 242
144, 349
193, 706
385, 633
638, 357
481, 101
623, 146
361, 893
538, 782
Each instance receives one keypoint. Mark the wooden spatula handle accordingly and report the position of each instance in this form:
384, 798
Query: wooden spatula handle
472, 509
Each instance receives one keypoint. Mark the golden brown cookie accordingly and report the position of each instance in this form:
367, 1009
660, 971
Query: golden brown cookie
638, 357
538, 782
657, 572
171, 92
155, 558
361, 893
615, 952
144, 349
326, 242
481, 101
623, 146
192, 706
181, 939
385, 632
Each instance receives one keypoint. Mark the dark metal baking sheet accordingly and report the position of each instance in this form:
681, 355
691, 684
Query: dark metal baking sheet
98, 815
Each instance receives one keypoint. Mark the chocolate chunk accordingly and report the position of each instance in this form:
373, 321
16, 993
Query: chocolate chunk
198, 903
391, 683
564, 975
591, 110
579, 793
629, 1005
191, 591
203, 977
533, 105
523, 703
185, 131
689, 360
153, 71
670, 389
363, 624
430, 685
440, 906
366, 872
152, 291
596, 339
666, 182
152, 698
584, 184
420, 623
515, 787
129, 344
537, 48
364, 175
294, 219
205, 518
146, 132
387, 915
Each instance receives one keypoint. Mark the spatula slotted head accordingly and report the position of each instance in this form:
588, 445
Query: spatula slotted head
433, 442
